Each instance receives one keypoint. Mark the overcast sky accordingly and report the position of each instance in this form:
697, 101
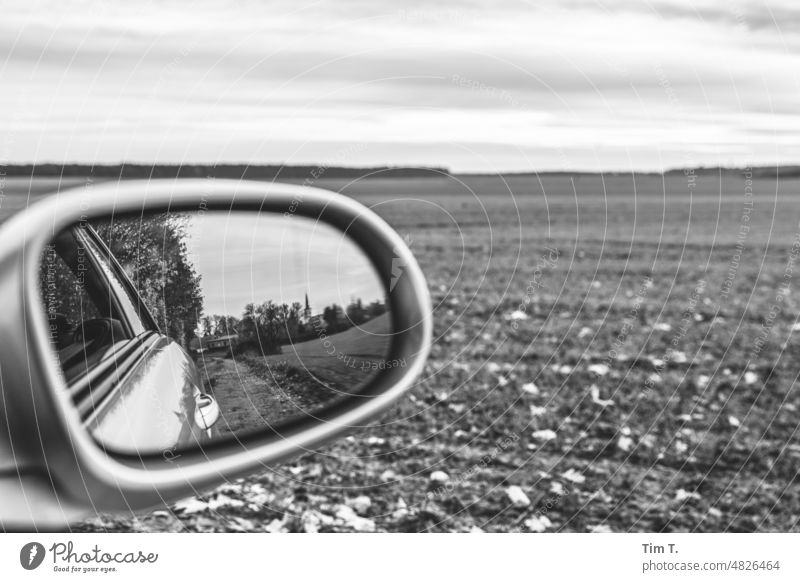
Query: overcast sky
472, 85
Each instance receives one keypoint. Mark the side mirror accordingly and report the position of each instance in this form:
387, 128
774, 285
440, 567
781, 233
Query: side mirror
160, 337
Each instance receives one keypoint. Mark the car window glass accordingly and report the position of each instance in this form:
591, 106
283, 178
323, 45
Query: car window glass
66, 299
128, 303
84, 323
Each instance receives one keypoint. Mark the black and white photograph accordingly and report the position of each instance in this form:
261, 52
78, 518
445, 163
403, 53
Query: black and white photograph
527, 268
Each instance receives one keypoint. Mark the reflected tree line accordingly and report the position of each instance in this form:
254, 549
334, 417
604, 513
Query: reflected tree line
267, 326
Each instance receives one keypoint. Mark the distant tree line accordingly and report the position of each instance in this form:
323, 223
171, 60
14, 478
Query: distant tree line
233, 171
306, 172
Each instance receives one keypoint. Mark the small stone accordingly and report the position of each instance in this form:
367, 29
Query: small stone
360, 504
683, 495
517, 315
401, 510
537, 410
538, 523
544, 435
224, 501
517, 496
679, 357
594, 391
440, 477
625, 443
275, 526
388, 475
349, 518
191, 505
599, 369
530, 388
311, 522
574, 476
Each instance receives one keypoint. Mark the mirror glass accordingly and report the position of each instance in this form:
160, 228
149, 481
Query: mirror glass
181, 328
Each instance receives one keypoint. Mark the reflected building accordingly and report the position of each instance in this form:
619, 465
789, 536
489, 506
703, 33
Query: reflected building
310, 321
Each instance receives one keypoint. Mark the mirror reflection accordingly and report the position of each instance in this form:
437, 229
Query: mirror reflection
179, 328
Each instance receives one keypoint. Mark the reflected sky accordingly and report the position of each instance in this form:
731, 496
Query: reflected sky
245, 257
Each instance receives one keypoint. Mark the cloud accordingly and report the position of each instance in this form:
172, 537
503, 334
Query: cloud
169, 81
771, 15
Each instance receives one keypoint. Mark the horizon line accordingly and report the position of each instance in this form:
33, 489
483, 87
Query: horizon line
31, 167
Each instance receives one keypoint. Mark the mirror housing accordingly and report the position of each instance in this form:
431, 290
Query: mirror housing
52, 471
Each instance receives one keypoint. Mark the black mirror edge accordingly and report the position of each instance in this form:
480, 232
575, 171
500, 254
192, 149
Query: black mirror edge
80, 475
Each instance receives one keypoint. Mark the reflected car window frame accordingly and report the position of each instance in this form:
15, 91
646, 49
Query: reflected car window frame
121, 288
